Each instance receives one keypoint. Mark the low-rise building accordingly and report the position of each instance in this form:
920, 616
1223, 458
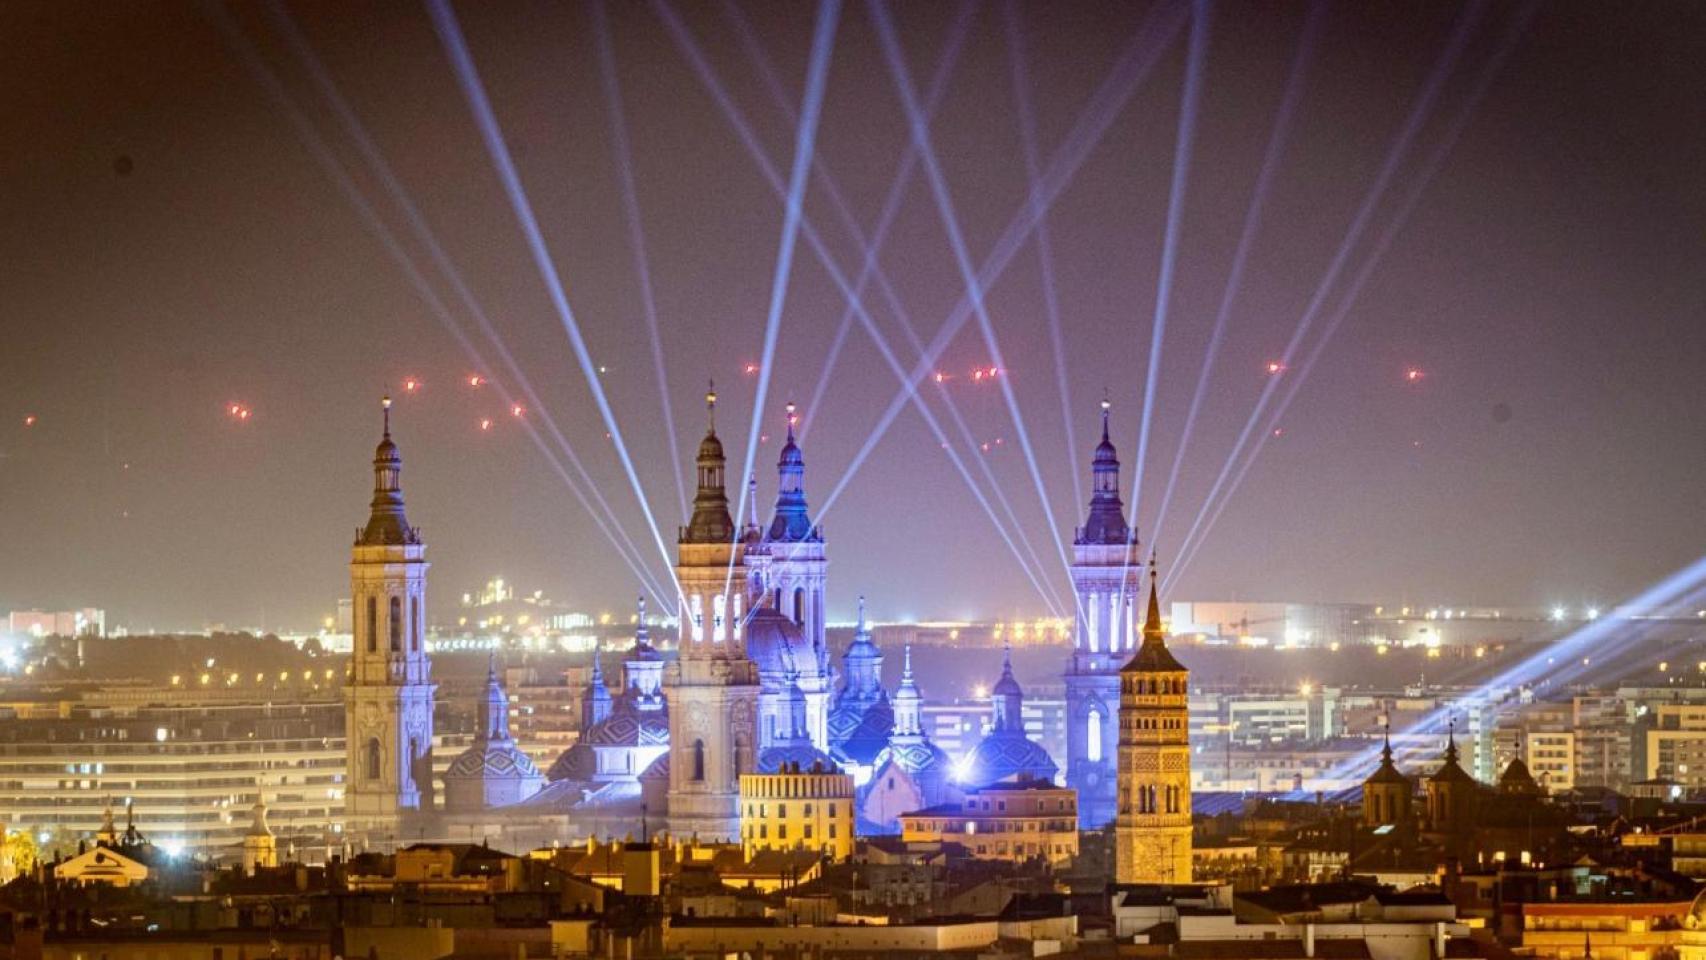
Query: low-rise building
795, 809
1015, 820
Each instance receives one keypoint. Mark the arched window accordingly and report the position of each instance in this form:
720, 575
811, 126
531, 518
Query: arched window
396, 624
1093, 735
415, 624
370, 764
372, 625
800, 605
698, 759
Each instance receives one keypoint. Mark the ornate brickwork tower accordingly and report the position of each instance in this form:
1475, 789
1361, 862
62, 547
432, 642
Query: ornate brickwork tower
388, 694
1105, 570
1152, 829
713, 685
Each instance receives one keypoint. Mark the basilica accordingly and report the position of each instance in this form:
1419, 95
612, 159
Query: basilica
753, 691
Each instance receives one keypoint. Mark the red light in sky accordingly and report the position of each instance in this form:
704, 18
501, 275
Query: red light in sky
1279, 431
1275, 367
750, 368
485, 423
30, 420
475, 380
1413, 375
517, 410
411, 385
977, 374
941, 377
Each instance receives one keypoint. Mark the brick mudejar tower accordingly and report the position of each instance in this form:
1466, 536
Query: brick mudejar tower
388, 695
1152, 831
713, 686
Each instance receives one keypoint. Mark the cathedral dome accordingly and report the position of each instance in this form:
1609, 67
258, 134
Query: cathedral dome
490, 774
1005, 754
579, 762
776, 644
916, 756
630, 728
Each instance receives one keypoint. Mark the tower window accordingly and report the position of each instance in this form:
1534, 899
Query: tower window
698, 759
415, 624
372, 625
800, 605
1093, 735
371, 762
396, 624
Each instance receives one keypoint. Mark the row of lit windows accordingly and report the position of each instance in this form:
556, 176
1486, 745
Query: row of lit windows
781, 810
763, 832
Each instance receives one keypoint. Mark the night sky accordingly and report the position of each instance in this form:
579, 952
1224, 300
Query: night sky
173, 247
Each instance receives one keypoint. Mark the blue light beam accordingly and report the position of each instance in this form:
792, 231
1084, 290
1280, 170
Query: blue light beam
1429, 168
1136, 62
456, 49
1462, 30
1195, 60
424, 234
962, 257
1013, 17
1278, 139
636, 233
340, 177
805, 139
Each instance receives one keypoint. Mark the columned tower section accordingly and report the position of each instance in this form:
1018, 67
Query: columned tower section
795, 580
389, 691
712, 686
1152, 829
1105, 570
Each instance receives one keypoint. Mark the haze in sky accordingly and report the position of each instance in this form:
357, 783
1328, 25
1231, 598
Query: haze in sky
1506, 411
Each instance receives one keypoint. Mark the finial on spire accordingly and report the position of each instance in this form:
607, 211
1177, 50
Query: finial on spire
1106, 404
792, 419
711, 403
906, 663
385, 404
861, 628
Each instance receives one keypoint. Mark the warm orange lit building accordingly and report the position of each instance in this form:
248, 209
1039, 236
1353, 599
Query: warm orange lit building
1014, 820
795, 809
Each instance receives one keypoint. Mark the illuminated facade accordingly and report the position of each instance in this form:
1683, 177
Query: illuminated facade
388, 694
713, 686
797, 808
793, 574
1152, 827
1007, 752
912, 772
862, 720
1105, 569
1017, 821
493, 772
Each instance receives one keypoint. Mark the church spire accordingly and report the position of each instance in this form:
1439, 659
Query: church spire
642, 637
792, 522
1152, 655
387, 524
711, 522
1152, 629
1106, 523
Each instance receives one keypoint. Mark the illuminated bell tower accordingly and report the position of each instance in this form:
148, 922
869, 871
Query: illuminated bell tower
1152, 828
795, 579
1105, 570
388, 694
712, 686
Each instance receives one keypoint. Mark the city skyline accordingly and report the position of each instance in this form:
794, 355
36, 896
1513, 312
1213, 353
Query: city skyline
203, 322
